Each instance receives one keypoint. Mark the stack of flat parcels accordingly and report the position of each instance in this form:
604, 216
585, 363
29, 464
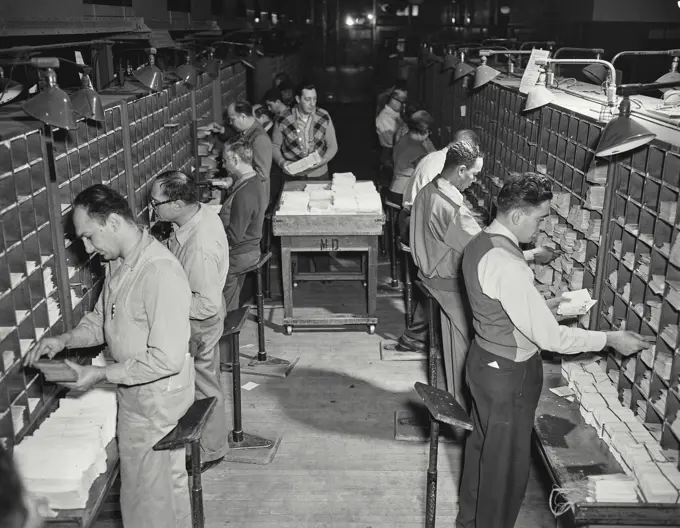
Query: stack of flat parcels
293, 203
320, 202
367, 197
612, 488
576, 302
62, 459
304, 164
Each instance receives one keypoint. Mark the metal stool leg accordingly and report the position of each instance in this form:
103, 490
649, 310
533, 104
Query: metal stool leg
262, 364
431, 499
393, 250
197, 516
408, 288
268, 264
433, 359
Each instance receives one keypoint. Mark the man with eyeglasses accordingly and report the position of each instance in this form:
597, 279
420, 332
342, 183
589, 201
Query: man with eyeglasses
242, 216
387, 123
200, 244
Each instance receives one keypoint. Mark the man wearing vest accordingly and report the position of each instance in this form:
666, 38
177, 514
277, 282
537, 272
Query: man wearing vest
441, 227
303, 130
512, 324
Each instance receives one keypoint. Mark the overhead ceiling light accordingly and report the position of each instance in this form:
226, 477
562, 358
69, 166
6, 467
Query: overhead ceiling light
150, 75
505, 10
349, 21
622, 133
9, 89
51, 105
86, 102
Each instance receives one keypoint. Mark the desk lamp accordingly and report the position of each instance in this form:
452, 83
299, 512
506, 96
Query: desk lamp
150, 75
9, 89
485, 74
598, 75
187, 73
51, 105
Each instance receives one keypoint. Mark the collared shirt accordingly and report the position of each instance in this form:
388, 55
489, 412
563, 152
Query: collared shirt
441, 227
510, 281
259, 140
142, 315
404, 156
386, 124
427, 169
201, 247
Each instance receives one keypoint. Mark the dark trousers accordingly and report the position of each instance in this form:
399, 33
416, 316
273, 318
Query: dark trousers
415, 335
497, 451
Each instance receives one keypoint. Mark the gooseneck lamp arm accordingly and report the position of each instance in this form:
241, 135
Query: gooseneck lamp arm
611, 89
627, 90
549, 44
596, 51
641, 53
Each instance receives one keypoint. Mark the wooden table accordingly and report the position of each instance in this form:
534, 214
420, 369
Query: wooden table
325, 234
572, 451
86, 517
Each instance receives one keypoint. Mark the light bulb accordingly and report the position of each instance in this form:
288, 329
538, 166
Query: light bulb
349, 21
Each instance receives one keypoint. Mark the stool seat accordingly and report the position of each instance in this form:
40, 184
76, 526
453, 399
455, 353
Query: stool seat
189, 426
235, 320
443, 406
392, 205
404, 247
260, 262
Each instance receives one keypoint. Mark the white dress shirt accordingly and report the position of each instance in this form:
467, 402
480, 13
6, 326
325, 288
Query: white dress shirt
510, 281
426, 170
386, 124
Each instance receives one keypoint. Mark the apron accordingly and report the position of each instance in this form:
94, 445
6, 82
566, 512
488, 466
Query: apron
154, 484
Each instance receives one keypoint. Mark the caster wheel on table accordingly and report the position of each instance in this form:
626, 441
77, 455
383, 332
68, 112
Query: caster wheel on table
289, 330
364, 284
371, 329
295, 285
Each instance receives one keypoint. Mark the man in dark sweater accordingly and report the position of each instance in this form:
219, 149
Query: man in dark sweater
242, 215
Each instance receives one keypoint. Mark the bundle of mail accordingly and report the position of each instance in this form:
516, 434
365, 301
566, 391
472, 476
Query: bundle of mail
65, 455
575, 303
344, 195
632, 444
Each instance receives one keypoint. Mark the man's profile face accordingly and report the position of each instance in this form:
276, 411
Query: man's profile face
97, 238
307, 101
530, 220
237, 121
468, 176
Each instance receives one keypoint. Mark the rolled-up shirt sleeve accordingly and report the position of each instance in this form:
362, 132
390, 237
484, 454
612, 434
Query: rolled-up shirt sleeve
167, 301
202, 269
506, 278
331, 143
89, 331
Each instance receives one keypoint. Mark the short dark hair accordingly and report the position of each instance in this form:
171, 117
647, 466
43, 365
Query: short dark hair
100, 201
465, 134
272, 95
462, 152
524, 191
242, 106
12, 510
420, 122
178, 186
304, 86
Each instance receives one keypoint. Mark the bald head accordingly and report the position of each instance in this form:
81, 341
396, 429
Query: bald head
239, 115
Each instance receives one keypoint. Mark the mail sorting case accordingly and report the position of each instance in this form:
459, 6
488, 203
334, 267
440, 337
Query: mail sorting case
633, 276
47, 281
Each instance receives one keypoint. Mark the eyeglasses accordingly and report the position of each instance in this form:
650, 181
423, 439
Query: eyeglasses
155, 203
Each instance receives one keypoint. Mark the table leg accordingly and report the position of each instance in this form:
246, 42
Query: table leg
286, 277
372, 275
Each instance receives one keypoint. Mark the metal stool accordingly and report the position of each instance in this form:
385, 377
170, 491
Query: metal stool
233, 323
266, 249
408, 287
261, 364
392, 214
442, 407
187, 433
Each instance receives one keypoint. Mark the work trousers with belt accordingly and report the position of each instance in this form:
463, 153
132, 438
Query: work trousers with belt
205, 338
498, 450
456, 322
415, 335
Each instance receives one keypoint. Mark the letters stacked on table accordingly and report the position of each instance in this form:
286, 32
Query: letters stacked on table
631, 443
612, 488
343, 196
62, 459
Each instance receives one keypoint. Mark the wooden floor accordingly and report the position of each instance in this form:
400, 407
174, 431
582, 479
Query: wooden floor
338, 464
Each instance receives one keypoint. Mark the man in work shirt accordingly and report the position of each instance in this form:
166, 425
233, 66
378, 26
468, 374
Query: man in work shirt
441, 227
414, 337
240, 117
142, 315
386, 124
200, 244
242, 216
512, 323
302, 131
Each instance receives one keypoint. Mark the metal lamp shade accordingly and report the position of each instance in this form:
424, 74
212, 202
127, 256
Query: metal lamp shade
53, 107
598, 74
485, 74
9, 90
450, 62
621, 135
537, 97
187, 73
150, 76
462, 69
212, 68
672, 76
87, 103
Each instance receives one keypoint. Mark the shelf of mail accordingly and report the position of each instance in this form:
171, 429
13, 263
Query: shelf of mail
607, 466
328, 218
71, 461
